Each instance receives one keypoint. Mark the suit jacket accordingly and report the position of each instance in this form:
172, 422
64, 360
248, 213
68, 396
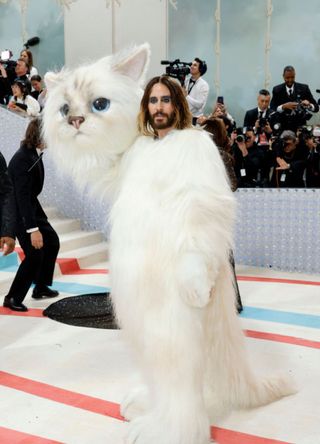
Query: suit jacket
252, 115
27, 174
301, 92
7, 202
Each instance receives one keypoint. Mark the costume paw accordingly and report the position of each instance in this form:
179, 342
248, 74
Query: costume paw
152, 429
193, 275
135, 403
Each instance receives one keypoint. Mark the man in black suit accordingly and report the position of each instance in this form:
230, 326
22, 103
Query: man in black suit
258, 118
7, 210
37, 238
293, 101
253, 115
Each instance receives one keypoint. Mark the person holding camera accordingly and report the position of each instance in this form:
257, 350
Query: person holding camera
258, 117
313, 160
196, 89
290, 162
293, 101
252, 161
9, 73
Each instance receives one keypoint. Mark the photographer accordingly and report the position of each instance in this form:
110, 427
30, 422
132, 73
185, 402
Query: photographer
10, 71
252, 162
313, 160
258, 117
196, 89
293, 101
290, 162
5, 87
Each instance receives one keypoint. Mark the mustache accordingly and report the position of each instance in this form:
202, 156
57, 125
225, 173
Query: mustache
159, 114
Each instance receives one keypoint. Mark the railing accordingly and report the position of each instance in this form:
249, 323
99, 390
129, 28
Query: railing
278, 228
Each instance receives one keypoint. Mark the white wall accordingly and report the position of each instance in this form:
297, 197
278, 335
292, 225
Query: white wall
92, 30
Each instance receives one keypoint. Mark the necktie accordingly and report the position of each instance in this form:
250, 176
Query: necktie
290, 93
191, 84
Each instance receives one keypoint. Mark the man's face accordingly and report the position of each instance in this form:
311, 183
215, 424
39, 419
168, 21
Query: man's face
289, 77
289, 146
160, 107
21, 68
263, 102
194, 69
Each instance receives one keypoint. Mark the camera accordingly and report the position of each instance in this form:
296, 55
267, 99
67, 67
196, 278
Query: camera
5, 57
241, 137
177, 69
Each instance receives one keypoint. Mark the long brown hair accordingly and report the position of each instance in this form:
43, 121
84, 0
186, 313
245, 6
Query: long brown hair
30, 57
182, 115
216, 127
32, 138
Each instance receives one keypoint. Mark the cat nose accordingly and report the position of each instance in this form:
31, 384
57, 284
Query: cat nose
76, 121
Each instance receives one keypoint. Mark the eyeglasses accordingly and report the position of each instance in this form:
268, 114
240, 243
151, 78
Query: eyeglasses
163, 99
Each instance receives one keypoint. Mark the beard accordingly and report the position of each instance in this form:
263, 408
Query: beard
166, 122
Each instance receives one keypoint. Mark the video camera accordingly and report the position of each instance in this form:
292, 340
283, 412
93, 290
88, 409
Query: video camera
5, 58
177, 69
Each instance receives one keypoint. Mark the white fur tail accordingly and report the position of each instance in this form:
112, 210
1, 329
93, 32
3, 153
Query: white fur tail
230, 380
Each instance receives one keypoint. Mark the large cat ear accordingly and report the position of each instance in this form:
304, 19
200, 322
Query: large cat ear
52, 79
135, 64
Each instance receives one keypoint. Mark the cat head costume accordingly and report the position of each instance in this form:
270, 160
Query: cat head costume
90, 117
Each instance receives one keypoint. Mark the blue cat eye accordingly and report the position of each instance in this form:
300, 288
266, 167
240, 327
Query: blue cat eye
64, 110
100, 104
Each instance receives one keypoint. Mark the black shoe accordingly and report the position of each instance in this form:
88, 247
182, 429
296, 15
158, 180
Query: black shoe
44, 292
16, 306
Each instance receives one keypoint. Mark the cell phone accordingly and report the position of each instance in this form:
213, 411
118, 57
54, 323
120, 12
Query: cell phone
5, 55
220, 100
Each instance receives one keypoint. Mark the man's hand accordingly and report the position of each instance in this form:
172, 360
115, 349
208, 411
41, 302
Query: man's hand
283, 165
37, 240
7, 245
290, 105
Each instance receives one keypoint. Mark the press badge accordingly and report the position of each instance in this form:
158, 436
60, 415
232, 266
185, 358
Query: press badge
283, 177
243, 172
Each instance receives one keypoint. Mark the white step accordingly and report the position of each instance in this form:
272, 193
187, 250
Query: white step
89, 255
65, 225
78, 239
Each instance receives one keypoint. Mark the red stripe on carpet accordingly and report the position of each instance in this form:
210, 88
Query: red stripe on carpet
31, 313
71, 266
111, 409
282, 338
62, 396
278, 280
9, 436
224, 436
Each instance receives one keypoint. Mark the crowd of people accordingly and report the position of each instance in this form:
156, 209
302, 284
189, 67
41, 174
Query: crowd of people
21, 87
275, 147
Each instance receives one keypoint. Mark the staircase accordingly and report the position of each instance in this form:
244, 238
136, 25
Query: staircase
79, 249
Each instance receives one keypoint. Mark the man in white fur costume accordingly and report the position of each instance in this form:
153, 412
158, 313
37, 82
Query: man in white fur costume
171, 233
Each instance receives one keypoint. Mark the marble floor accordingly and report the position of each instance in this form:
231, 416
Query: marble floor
63, 384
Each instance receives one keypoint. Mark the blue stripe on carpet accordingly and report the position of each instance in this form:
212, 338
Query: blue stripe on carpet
78, 289
282, 317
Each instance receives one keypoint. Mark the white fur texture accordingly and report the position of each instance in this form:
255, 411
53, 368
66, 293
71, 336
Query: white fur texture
171, 233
